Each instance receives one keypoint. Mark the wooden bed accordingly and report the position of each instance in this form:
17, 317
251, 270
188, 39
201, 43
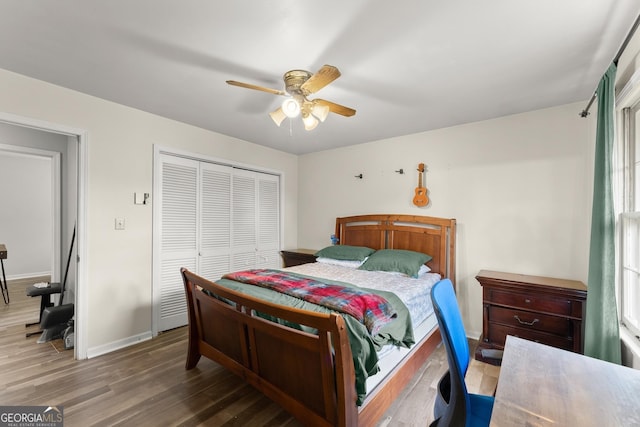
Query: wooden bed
312, 376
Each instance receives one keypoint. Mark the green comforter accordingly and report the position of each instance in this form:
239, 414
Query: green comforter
398, 332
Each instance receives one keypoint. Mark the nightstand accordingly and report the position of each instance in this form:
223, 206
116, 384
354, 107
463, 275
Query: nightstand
293, 257
541, 309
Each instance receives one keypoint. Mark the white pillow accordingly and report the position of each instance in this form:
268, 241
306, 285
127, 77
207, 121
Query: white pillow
340, 262
421, 272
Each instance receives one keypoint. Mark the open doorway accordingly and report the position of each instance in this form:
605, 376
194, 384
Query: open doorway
68, 145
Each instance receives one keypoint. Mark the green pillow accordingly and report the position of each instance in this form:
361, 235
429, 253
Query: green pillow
345, 252
400, 260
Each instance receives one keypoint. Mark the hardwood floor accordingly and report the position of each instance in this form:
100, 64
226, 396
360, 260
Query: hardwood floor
147, 385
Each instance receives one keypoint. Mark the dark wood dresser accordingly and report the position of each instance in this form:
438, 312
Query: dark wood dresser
293, 257
541, 309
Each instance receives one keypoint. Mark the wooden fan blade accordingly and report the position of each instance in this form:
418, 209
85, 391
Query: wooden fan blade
323, 77
337, 108
254, 87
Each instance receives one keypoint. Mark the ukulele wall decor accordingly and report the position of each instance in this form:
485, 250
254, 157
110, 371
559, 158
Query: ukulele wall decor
420, 198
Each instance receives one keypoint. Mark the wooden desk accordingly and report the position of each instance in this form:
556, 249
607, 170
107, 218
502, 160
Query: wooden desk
545, 386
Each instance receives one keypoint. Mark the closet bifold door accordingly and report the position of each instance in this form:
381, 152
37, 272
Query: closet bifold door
195, 230
255, 223
178, 238
268, 247
213, 219
243, 220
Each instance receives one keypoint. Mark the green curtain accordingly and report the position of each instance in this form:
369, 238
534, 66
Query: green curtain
602, 336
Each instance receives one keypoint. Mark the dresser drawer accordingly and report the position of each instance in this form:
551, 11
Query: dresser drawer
498, 335
529, 301
531, 320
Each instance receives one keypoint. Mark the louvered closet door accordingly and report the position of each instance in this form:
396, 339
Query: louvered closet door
268, 247
243, 220
178, 238
255, 222
215, 220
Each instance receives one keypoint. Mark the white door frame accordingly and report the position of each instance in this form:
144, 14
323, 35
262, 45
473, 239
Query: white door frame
81, 294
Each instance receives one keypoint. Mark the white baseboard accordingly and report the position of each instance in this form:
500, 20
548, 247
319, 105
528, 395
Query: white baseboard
117, 345
475, 335
28, 275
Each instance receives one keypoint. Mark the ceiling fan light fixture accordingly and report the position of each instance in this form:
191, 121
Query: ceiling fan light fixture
320, 111
278, 116
310, 122
290, 107
299, 84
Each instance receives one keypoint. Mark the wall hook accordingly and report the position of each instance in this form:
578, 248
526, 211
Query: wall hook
359, 176
400, 171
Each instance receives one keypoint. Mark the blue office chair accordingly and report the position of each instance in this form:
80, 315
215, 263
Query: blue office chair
454, 405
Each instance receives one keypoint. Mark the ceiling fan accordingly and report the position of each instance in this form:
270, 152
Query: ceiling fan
298, 85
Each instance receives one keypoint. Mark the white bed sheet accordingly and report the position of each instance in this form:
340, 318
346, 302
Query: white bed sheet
414, 293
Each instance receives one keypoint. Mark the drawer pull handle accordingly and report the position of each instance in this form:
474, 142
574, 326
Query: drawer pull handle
522, 322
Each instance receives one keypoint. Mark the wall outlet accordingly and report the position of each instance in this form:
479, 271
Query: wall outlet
119, 223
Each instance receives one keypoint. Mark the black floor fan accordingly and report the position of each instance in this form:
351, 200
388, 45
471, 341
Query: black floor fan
56, 321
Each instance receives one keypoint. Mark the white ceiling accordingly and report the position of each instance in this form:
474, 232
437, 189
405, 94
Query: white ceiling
407, 66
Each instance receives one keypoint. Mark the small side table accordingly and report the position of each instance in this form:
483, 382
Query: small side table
293, 257
3, 280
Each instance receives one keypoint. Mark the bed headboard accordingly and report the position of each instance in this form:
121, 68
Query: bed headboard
429, 235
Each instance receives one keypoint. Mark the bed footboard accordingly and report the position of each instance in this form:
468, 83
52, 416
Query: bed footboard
309, 375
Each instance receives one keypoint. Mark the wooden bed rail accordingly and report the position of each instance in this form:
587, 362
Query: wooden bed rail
313, 379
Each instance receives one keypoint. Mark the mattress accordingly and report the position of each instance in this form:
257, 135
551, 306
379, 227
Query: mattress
414, 293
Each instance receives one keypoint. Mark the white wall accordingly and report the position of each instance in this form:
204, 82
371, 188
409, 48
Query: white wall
519, 186
26, 222
120, 147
